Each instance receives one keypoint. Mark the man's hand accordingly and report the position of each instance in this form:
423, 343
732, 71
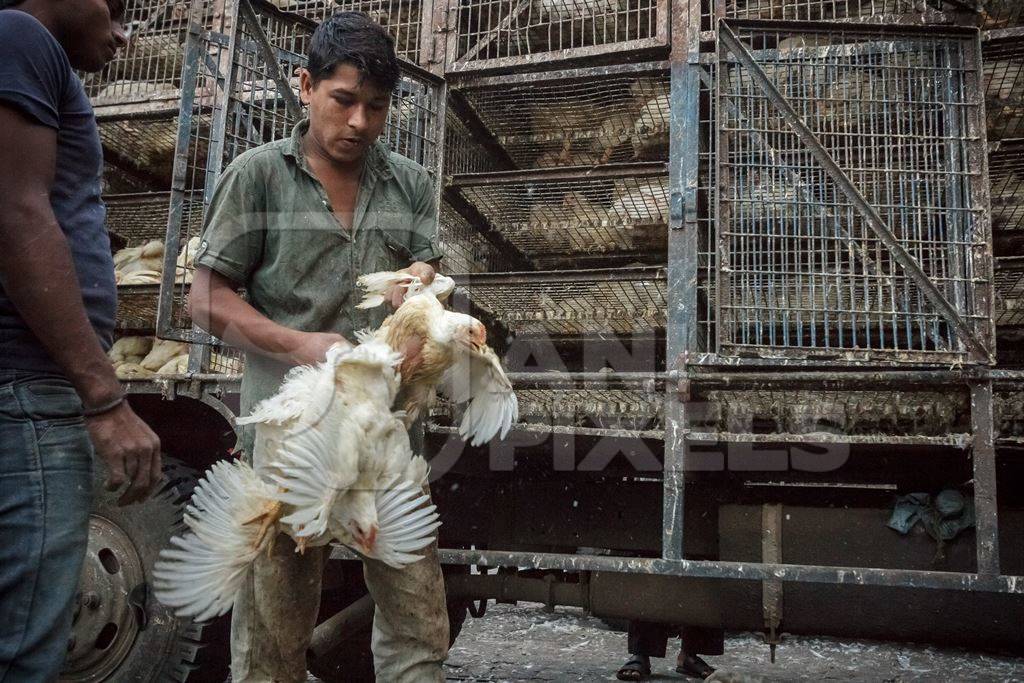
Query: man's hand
131, 450
424, 271
311, 347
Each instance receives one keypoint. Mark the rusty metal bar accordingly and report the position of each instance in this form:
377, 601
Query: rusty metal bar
872, 218
681, 324
637, 48
720, 569
539, 428
984, 459
468, 82
552, 276
570, 173
959, 441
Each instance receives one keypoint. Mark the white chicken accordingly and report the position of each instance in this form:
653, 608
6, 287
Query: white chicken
162, 352
333, 463
651, 128
139, 265
129, 349
453, 357
185, 265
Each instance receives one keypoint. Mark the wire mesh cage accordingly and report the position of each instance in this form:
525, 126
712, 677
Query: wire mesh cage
465, 249
842, 10
1003, 64
1006, 172
1009, 285
505, 33
574, 304
582, 117
241, 91
141, 148
402, 18
1000, 14
1004, 86
806, 270
148, 68
616, 211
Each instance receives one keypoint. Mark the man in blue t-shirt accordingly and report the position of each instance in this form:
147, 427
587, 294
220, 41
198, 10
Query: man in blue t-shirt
59, 398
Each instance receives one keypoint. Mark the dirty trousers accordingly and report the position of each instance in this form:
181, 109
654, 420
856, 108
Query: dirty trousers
276, 610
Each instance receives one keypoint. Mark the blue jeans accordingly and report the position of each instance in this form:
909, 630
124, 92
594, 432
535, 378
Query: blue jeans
45, 496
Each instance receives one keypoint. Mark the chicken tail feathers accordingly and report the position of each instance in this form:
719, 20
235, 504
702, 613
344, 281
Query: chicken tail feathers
200, 573
407, 522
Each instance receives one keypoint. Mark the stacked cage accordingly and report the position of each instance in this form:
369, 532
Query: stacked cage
841, 213
1003, 52
240, 90
559, 172
137, 100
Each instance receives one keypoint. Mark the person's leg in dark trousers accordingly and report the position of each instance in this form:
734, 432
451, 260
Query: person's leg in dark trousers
645, 640
696, 641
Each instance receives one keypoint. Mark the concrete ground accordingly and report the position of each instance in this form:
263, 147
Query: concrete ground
523, 643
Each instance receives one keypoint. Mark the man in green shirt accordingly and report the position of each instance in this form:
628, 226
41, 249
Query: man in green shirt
295, 222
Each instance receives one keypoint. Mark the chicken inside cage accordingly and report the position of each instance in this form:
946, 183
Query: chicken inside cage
143, 357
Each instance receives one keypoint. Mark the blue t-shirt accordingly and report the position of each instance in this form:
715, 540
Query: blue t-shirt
36, 78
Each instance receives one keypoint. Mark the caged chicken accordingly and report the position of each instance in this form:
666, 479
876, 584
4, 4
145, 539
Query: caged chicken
651, 127
453, 356
139, 265
333, 463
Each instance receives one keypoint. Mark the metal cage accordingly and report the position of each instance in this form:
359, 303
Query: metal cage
501, 34
573, 304
579, 117
875, 11
402, 18
240, 91
831, 240
146, 74
604, 214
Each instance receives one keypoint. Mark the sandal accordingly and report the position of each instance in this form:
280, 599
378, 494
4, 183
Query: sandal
636, 668
692, 665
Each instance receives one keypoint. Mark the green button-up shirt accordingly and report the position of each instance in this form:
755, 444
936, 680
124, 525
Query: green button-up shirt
271, 229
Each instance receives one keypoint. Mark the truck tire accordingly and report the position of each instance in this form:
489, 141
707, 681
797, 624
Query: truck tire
120, 631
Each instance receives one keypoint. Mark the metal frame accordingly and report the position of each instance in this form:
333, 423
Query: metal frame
457, 64
690, 367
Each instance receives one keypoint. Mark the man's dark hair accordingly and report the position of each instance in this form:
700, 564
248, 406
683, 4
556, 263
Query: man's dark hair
353, 38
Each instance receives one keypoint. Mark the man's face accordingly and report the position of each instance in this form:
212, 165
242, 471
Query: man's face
91, 32
346, 112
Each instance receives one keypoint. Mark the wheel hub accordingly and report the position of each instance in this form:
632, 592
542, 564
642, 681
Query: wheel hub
105, 621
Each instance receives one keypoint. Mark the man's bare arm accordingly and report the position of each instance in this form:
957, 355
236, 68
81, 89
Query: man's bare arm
38, 275
216, 307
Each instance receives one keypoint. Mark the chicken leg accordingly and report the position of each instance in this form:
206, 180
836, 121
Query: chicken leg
267, 519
